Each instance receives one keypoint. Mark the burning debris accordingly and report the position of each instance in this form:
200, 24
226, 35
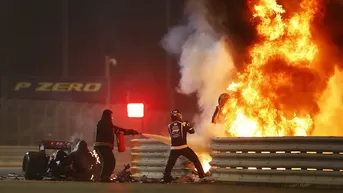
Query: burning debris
96, 156
123, 176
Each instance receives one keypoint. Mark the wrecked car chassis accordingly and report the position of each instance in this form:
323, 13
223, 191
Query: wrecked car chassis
41, 165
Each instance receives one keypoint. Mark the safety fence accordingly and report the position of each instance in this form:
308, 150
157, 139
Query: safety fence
149, 158
299, 160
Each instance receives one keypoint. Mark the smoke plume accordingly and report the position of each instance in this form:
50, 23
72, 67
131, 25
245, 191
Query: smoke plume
206, 62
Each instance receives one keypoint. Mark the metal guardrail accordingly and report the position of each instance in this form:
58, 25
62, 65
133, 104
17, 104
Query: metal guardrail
12, 156
300, 160
149, 157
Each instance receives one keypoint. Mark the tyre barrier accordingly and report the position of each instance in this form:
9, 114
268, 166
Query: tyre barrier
283, 160
149, 157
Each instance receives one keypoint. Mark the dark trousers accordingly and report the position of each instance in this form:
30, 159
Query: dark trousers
108, 161
189, 154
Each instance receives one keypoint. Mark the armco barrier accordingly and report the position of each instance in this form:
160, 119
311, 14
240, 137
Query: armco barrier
149, 157
300, 160
12, 156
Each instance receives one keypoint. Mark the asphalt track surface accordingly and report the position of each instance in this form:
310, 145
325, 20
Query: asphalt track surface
13, 186
77, 187
6, 170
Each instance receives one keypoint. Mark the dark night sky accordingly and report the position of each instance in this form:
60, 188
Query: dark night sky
130, 30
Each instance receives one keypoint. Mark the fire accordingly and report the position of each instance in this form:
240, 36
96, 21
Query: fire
205, 159
96, 156
256, 106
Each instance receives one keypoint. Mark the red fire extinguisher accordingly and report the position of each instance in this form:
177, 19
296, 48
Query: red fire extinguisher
121, 141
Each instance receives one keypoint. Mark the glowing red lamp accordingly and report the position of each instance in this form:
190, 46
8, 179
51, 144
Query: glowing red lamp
135, 110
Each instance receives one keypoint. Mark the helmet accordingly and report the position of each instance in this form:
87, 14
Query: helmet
223, 98
175, 115
107, 113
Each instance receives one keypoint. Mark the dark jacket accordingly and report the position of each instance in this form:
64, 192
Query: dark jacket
81, 158
105, 132
178, 132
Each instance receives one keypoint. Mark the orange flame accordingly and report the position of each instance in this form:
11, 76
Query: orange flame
205, 159
253, 109
96, 156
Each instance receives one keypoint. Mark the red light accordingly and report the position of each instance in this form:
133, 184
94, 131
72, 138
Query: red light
135, 110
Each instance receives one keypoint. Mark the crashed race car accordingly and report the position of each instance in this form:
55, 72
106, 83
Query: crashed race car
77, 164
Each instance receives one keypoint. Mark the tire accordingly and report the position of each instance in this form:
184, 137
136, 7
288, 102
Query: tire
34, 165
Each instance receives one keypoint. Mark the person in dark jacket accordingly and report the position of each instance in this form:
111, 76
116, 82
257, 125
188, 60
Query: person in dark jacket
104, 143
82, 162
178, 130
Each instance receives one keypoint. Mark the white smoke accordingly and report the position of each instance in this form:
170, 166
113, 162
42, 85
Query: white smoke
206, 65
